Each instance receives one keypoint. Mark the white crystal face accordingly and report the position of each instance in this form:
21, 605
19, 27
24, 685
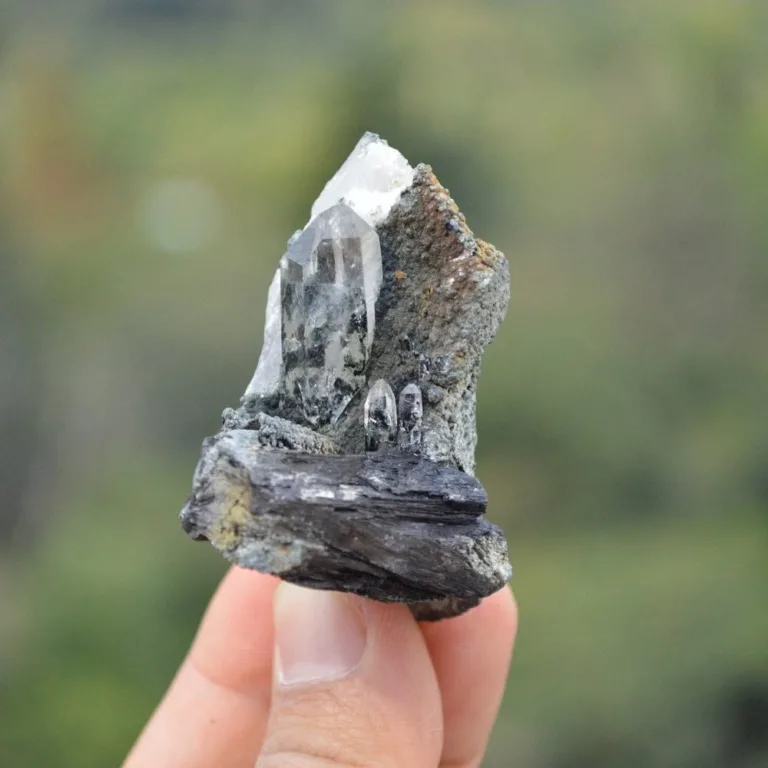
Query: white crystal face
370, 181
266, 379
330, 280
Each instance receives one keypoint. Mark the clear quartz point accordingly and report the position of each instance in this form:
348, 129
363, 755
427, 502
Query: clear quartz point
266, 379
330, 280
370, 181
380, 416
321, 305
410, 410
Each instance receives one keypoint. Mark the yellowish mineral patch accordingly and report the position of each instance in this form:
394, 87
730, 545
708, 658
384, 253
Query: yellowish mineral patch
231, 516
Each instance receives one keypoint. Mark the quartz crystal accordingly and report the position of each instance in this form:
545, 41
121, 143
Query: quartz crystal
380, 416
330, 279
321, 303
410, 409
266, 379
370, 181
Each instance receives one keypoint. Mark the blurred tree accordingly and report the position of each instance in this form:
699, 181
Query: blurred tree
177, 12
20, 382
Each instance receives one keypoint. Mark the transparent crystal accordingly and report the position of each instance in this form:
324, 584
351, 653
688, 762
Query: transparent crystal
380, 416
410, 410
321, 304
266, 379
370, 181
330, 280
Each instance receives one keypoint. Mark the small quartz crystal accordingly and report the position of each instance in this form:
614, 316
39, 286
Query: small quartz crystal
380, 416
410, 409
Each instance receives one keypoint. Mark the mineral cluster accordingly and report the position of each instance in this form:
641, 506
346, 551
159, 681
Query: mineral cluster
349, 462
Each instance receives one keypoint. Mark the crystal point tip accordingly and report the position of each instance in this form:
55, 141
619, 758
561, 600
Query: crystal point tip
370, 180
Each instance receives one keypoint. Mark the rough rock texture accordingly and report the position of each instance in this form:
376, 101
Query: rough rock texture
393, 526
443, 296
274, 432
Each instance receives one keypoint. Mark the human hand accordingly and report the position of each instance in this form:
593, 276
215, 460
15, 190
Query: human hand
331, 680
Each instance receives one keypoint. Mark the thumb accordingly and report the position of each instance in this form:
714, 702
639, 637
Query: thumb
353, 685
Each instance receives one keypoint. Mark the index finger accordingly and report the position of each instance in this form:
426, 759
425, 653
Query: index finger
216, 709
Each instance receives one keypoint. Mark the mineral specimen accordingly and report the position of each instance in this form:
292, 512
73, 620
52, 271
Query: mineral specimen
323, 476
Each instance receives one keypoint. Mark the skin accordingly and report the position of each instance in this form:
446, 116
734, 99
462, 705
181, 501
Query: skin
419, 696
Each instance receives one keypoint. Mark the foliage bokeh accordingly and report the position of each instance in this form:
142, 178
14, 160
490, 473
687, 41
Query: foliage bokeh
157, 154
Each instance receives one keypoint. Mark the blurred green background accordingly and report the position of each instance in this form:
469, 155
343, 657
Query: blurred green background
156, 155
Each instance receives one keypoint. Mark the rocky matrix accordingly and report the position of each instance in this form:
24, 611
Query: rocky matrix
349, 463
